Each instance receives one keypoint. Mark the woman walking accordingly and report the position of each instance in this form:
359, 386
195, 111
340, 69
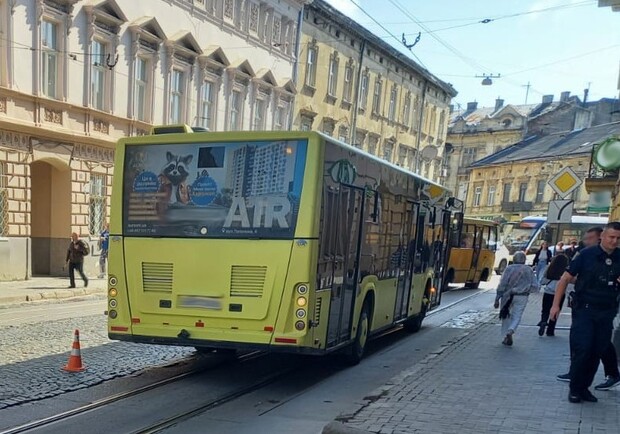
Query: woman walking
541, 260
518, 281
556, 268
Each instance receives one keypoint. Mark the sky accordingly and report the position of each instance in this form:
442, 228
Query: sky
554, 45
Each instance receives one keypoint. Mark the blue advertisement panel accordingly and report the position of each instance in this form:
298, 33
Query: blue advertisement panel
213, 190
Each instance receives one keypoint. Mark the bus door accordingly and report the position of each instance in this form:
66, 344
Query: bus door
346, 220
405, 268
441, 252
473, 269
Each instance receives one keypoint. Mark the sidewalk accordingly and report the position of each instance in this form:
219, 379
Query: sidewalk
477, 385
40, 289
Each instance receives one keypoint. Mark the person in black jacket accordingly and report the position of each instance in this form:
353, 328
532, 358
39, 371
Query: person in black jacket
75, 259
596, 273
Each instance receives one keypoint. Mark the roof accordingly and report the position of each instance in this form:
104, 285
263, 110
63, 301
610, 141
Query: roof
474, 117
565, 144
353, 26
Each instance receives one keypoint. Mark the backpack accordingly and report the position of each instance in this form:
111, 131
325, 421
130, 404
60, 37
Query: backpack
85, 248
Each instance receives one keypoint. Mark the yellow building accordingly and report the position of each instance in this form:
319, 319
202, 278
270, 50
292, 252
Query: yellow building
356, 87
477, 132
513, 183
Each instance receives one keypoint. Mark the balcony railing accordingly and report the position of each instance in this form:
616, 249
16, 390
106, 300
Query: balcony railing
517, 206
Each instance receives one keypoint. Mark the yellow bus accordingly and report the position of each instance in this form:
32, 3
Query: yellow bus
282, 241
472, 252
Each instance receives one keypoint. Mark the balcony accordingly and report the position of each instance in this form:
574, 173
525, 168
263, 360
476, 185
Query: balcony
599, 179
517, 206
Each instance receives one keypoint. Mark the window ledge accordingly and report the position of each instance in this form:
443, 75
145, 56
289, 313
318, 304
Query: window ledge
331, 99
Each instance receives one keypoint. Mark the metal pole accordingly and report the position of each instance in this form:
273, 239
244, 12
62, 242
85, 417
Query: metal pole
300, 19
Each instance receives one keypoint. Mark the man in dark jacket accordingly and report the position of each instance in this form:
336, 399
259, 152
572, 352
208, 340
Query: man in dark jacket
75, 259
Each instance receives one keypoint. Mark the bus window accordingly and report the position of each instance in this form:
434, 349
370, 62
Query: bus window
467, 237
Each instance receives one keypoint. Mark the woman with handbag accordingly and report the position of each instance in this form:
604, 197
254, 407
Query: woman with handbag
518, 281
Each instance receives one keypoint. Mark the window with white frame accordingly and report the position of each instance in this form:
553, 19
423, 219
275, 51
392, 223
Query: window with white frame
348, 83
491, 196
280, 120
407, 109
305, 123
142, 89
477, 196
388, 149
376, 99
392, 107
311, 65
104, 22
343, 134
97, 203
99, 75
363, 97
260, 106
236, 113
207, 104
332, 78
50, 58
177, 96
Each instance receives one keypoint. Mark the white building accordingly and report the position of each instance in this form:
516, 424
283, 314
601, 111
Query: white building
76, 75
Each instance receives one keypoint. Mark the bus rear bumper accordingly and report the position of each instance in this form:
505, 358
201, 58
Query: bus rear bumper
189, 342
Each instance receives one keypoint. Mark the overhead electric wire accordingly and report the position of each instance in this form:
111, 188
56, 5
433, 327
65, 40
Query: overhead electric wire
387, 31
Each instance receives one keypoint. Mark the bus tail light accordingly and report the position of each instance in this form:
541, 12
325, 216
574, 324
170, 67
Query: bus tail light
286, 340
135, 320
268, 328
112, 280
113, 292
300, 325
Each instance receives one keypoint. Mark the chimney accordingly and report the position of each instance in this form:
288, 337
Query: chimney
499, 103
471, 106
547, 99
564, 96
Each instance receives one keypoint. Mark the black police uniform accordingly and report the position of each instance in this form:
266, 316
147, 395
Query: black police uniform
595, 305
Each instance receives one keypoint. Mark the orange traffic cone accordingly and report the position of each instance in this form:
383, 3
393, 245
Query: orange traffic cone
75, 359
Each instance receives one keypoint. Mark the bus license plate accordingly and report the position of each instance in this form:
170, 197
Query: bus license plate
200, 302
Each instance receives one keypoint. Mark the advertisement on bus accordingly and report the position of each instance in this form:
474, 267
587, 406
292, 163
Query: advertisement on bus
213, 190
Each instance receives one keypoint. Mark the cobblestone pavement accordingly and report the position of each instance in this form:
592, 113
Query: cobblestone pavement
476, 385
32, 356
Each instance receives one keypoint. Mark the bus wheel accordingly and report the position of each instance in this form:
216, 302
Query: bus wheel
502, 266
204, 350
361, 337
472, 285
413, 325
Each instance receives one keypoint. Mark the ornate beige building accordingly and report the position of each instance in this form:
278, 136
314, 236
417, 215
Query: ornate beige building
76, 75
356, 87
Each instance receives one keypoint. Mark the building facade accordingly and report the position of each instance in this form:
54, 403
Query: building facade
357, 88
513, 183
76, 75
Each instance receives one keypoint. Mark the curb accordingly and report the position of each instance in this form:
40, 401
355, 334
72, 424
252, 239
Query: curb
340, 428
48, 296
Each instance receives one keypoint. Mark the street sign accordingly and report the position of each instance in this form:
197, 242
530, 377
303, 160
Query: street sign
560, 211
565, 182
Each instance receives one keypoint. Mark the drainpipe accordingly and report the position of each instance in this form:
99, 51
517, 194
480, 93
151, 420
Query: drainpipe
300, 18
356, 98
419, 138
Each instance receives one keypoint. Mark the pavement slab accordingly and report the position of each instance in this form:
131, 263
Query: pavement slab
476, 384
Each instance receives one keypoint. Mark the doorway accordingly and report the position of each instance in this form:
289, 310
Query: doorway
50, 224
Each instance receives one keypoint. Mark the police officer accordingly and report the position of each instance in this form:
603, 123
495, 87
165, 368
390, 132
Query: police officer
596, 272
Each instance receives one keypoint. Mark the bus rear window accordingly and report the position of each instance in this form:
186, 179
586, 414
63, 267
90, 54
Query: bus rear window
214, 190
